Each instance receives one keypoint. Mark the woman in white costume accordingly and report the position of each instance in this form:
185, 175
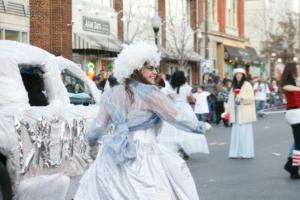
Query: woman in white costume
242, 114
176, 139
132, 165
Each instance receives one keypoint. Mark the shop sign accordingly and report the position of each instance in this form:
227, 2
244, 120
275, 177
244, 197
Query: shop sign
95, 25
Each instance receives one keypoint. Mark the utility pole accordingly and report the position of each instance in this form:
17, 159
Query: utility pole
206, 39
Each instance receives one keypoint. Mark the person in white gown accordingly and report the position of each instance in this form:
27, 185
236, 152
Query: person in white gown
242, 115
174, 138
131, 164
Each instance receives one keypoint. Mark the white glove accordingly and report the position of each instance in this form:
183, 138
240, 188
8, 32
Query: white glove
207, 126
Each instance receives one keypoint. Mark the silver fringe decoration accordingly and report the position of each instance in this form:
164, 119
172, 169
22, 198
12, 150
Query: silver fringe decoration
82, 144
43, 142
71, 140
20, 144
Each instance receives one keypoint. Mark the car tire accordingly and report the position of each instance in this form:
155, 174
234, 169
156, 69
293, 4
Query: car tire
5, 184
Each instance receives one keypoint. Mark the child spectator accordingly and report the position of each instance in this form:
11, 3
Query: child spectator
201, 105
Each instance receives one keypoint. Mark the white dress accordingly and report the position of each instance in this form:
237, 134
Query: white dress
174, 138
156, 174
241, 143
146, 170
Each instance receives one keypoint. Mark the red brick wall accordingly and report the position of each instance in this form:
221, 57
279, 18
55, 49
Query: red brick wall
162, 14
200, 11
49, 27
118, 6
222, 15
240, 17
193, 12
40, 23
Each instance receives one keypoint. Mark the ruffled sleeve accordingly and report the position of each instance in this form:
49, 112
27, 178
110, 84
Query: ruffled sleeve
166, 110
98, 126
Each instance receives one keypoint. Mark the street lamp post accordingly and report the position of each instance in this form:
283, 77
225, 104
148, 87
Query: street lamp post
272, 64
156, 21
285, 54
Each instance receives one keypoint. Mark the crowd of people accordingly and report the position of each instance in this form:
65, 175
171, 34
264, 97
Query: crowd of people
143, 104
211, 97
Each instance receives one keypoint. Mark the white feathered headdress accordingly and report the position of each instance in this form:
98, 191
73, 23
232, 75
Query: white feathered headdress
133, 57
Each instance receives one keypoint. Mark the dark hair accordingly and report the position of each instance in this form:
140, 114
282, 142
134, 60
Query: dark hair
177, 80
289, 72
138, 76
236, 84
112, 81
168, 77
202, 87
97, 77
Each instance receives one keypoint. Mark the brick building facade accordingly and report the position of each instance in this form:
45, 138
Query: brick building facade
51, 26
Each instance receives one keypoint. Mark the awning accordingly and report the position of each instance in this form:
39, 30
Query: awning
95, 42
195, 57
191, 56
253, 54
247, 54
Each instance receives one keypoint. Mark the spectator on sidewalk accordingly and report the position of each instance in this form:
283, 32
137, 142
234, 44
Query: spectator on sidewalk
225, 115
210, 86
220, 100
275, 97
261, 90
201, 104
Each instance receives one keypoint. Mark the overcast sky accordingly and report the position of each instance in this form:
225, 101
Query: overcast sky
296, 5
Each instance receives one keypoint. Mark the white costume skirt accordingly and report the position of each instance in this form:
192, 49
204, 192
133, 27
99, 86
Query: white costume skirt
156, 174
293, 116
175, 139
241, 144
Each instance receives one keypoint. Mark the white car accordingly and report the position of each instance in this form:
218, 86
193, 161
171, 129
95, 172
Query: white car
46, 104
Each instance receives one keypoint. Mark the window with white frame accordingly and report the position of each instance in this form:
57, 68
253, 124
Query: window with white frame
213, 13
188, 12
24, 37
6, 34
12, 35
231, 13
234, 12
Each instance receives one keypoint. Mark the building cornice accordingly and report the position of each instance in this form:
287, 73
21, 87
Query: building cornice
224, 35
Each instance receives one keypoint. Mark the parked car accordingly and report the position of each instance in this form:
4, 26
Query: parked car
43, 122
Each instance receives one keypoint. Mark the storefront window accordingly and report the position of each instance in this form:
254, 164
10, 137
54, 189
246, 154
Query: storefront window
12, 35
1, 34
24, 37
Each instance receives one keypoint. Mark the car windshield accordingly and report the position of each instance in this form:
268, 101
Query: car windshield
78, 91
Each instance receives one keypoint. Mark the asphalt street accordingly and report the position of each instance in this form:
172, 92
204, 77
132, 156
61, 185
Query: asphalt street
220, 178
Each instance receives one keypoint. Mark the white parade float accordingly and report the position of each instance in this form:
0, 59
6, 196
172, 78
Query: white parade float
43, 119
